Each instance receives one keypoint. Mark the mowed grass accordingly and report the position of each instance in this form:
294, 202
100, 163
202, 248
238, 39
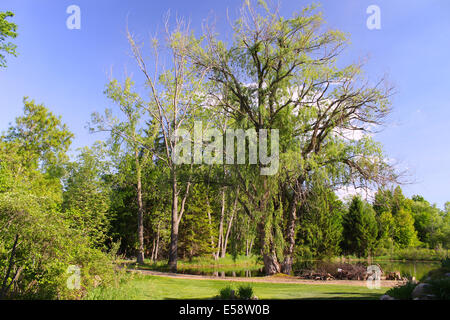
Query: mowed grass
139, 287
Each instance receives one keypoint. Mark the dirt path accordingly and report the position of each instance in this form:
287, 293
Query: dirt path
267, 279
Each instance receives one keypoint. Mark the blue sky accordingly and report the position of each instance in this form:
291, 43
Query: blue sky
67, 69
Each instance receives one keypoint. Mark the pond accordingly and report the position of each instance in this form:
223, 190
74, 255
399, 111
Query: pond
408, 269
417, 269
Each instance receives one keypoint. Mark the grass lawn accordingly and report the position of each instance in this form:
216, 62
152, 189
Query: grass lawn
139, 287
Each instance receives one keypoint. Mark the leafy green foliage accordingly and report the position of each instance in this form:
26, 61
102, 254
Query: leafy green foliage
429, 222
87, 195
226, 293
441, 288
411, 222
7, 30
37, 242
245, 292
386, 229
405, 234
41, 138
445, 264
402, 292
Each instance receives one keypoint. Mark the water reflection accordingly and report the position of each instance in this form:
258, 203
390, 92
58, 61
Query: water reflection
406, 269
239, 273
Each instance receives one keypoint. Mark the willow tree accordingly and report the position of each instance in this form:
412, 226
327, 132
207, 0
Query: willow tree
282, 73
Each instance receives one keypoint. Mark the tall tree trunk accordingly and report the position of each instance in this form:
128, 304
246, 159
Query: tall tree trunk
270, 260
157, 243
173, 247
290, 234
230, 224
248, 244
177, 214
222, 216
140, 253
152, 258
271, 264
208, 211
246, 247
5, 287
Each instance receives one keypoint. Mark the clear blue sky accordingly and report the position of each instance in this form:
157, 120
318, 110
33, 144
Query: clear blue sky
67, 69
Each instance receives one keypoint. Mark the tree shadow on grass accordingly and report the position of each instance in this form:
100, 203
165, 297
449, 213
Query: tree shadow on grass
339, 296
333, 296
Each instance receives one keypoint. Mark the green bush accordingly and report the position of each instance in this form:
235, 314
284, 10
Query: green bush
445, 264
441, 288
47, 246
439, 273
402, 292
226, 293
245, 292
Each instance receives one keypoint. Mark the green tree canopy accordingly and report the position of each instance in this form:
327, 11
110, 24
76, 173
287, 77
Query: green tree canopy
7, 30
42, 139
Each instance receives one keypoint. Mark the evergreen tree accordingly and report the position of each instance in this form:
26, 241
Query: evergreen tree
195, 234
320, 231
360, 228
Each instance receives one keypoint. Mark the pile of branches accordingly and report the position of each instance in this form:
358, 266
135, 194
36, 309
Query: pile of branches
332, 271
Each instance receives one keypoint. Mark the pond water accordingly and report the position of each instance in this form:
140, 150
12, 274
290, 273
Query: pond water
238, 272
417, 269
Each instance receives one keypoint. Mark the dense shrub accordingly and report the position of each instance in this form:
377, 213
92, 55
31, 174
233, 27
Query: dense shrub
441, 288
45, 246
439, 273
445, 264
402, 292
226, 293
244, 292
